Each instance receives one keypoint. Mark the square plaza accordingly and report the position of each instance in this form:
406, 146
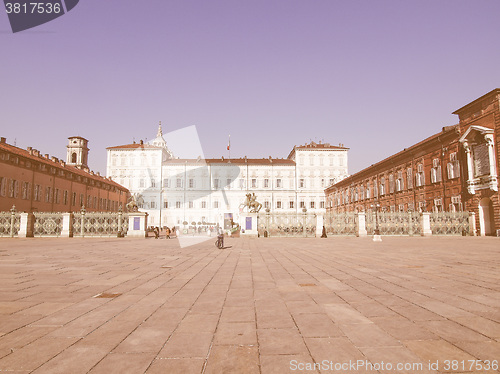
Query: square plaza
267, 305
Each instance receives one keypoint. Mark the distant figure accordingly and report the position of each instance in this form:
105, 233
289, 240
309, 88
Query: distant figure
156, 230
167, 233
323, 234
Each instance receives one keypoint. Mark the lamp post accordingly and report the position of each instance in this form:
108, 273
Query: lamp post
376, 236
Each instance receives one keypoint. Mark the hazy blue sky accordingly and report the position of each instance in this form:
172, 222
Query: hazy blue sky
377, 76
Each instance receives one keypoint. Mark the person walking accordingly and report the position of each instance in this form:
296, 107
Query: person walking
167, 233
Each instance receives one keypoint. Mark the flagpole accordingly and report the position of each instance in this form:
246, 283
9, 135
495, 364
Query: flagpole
229, 147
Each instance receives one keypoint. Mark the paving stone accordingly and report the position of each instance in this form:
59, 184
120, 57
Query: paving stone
368, 335
280, 341
122, 363
279, 364
176, 365
236, 333
233, 359
316, 325
187, 345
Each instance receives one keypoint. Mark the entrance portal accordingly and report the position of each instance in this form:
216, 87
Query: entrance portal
486, 222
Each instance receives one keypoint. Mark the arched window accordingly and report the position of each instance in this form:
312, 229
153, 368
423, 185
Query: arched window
73, 158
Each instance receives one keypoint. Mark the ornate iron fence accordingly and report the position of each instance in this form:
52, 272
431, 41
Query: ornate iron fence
394, 223
47, 224
10, 223
286, 225
99, 223
450, 223
341, 223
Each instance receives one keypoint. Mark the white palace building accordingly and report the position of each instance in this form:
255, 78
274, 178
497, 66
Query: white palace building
174, 190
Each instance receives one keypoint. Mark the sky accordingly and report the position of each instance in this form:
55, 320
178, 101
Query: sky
376, 76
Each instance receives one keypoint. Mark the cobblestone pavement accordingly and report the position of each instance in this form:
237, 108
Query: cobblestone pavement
259, 306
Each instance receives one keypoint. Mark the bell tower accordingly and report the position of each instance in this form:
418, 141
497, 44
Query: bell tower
78, 152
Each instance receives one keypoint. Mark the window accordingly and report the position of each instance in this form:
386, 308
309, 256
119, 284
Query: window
165, 204
341, 160
153, 183
203, 204
278, 204
278, 183
311, 160
48, 195
216, 184
438, 205
153, 204
322, 205
191, 205
302, 183
191, 183
382, 186
435, 171
166, 183
311, 205
177, 204
82, 200
266, 183
409, 178
322, 183
367, 191
266, 204
291, 204
178, 183
254, 183
65, 197
3, 186
302, 204
456, 204
228, 183
391, 183
141, 182
89, 201
332, 181
216, 205
399, 182
453, 167
25, 191
420, 177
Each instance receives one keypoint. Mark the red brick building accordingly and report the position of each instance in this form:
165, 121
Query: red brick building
455, 169
39, 183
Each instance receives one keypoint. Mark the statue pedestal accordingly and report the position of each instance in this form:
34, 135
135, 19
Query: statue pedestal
137, 223
248, 222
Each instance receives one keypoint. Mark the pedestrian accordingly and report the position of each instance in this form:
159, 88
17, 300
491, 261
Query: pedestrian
157, 232
167, 233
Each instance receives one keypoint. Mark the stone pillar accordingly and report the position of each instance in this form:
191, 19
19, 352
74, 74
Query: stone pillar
319, 225
362, 225
137, 223
425, 221
24, 226
472, 224
67, 231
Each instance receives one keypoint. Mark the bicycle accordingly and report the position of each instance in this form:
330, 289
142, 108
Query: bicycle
219, 243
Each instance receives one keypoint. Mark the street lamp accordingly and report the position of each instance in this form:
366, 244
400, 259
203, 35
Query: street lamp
376, 236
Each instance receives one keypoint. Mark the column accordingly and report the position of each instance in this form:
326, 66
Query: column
426, 224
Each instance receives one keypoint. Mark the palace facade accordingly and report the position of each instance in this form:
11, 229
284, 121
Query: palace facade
455, 169
39, 183
174, 190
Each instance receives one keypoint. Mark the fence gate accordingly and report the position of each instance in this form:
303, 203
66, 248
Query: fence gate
9, 223
394, 223
47, 224
99, 223
287, 225
450, 223
340, 223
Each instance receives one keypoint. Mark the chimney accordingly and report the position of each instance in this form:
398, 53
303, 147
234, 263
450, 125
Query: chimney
3, 140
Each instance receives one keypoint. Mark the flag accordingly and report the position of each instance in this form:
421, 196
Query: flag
229, 143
